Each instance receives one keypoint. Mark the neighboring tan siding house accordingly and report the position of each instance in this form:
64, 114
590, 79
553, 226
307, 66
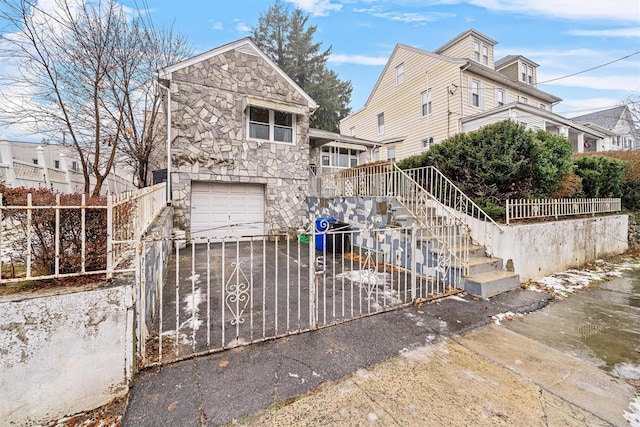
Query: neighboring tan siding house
239, 143
421, 97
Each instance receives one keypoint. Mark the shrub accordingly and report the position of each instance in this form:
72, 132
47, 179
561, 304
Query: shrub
43, 231
601, 175
500, 161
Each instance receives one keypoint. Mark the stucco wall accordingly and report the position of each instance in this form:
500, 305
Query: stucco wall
64, 353
540, 249
209, 104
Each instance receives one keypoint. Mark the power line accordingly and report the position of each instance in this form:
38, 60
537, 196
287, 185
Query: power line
591, 69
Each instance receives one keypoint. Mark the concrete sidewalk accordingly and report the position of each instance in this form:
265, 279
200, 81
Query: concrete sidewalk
228, 386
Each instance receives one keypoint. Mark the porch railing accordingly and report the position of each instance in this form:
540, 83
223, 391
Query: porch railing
542, 208
447, 229
124, 218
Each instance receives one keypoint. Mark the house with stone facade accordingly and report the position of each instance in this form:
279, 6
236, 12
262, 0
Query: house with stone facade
424, 97
241, 149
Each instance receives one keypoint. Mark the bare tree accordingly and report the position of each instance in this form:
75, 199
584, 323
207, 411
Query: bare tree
84, 70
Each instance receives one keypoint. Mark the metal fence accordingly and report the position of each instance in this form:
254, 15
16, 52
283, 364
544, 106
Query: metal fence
223, 293
40, 242
543, 208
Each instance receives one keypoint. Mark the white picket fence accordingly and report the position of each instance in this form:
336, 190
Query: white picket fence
126, 217
543, 208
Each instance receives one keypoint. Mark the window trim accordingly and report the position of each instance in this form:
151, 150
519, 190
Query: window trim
400, 74
391, 159
485, 58
429, 143
380, 123
428, 104
499, 90
334, 153
477, 94
476, 50
272, 126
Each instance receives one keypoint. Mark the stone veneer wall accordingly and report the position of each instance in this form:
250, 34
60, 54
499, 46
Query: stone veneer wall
208, 105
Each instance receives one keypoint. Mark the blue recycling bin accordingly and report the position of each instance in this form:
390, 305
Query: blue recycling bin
322, 225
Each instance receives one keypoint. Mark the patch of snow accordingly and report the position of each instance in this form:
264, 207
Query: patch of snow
457, 298
294, 375
192, 301
369, 277
372, 417
500, 317
315, 374
626, 371
633, 416
194, 278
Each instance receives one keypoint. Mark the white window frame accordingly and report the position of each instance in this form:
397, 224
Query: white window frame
474, 93
330, 157
75, 166
500, 91
476, 50
380, 119
543, 107
352, 131
425, 103
272, 126
523, 73
400, 74
529, 74
485, 55
524, 100
427, 143
391, 154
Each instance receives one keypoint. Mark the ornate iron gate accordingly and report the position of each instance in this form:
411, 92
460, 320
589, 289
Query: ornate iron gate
218, 294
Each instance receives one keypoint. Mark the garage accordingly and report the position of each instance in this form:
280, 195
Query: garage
223, 209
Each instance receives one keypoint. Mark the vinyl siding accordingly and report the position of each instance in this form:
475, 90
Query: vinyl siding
401, 104
511, 71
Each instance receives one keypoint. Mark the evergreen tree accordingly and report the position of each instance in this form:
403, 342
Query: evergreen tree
288, 40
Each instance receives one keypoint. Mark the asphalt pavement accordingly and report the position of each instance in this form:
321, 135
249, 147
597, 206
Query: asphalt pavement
227, 387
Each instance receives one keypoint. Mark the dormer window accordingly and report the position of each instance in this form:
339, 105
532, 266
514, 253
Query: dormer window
485, 55
526, 74
476, 51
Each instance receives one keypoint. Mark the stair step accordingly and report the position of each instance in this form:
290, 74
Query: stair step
475, 251
491, 283
484, 264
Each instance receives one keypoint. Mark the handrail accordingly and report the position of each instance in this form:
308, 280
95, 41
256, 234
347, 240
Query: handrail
451, 196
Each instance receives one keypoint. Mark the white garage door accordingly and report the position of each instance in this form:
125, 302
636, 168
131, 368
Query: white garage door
221, 209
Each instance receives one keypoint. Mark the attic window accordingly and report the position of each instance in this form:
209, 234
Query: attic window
485, 55
400, 74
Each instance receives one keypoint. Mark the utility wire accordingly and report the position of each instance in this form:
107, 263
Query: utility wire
591, 69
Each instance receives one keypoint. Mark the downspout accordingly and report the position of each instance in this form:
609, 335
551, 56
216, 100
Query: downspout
462, 69
168, 89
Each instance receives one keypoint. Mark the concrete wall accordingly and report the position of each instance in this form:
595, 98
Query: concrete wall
540, 249
64, 353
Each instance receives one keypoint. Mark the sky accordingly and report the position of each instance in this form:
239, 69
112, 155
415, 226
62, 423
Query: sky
563, 36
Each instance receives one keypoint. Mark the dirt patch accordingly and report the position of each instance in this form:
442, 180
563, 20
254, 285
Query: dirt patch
109, 415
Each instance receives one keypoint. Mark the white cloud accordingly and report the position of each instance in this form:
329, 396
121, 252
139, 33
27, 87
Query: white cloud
242, 27
609, 82
408, 17
357, 59
316, 7
577, 107
617, 32
218, 26
618, 11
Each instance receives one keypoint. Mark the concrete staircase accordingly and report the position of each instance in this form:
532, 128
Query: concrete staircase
486, 277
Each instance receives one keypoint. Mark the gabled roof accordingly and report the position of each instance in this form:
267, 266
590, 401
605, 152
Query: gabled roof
607, 119
512, 58
463, 35
414, 49
322, 137
506, 81
534, 111
245, 45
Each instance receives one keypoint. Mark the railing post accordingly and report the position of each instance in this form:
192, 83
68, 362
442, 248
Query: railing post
313, 314
507, 211
414, 262
29, 228
109, 236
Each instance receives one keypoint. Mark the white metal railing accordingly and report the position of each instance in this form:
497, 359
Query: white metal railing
542, 208
387, 180
64, 240
447, 193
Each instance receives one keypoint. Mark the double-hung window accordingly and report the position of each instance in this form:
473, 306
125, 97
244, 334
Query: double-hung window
427, 143
485, 55
270, 125
475, 93
391, 154
425, 101
476, 51
500, 97
380, 123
